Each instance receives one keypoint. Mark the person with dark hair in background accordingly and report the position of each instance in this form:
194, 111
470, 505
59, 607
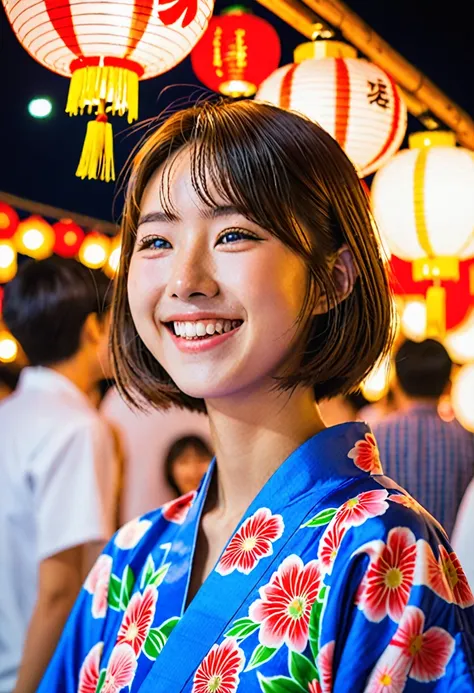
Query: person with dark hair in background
431, 458
186, 463
57, 461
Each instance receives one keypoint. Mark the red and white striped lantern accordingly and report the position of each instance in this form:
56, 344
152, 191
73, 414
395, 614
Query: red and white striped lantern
106, 47
355, 101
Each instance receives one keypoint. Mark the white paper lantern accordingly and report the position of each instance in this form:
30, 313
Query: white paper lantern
423, 203
355, 101
106, 47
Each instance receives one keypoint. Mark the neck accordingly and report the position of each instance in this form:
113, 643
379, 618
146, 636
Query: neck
404, 402
252, 437
76, 370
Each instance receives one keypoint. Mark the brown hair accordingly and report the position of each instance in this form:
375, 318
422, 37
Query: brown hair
289, 176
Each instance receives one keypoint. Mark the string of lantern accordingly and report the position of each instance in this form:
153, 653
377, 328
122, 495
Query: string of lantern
36, 238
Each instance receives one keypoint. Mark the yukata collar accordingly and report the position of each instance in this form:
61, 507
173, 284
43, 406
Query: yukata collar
329, 460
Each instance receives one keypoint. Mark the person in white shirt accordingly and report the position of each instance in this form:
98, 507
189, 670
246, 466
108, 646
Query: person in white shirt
57, 460
462, 538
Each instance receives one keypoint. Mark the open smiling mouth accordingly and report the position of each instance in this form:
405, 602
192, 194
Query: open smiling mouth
202, 329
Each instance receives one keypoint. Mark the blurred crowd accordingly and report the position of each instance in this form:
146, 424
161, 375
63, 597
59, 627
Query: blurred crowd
77, 462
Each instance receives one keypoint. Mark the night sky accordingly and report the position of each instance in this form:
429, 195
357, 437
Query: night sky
39, 157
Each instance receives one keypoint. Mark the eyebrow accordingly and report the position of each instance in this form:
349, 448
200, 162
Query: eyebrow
206, 213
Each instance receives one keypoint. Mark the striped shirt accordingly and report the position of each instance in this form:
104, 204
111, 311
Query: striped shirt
430, 458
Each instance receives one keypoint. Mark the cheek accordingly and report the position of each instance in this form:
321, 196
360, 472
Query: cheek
143, 291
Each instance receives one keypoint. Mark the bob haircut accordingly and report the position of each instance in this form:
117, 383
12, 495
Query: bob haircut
289, 176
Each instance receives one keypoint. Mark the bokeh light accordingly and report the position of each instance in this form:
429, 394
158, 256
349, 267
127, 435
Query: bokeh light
40, 108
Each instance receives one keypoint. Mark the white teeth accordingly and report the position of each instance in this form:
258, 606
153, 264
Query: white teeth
190, 329
193, 330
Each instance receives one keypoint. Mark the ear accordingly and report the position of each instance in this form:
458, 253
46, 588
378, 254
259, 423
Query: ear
344, 275
91, 330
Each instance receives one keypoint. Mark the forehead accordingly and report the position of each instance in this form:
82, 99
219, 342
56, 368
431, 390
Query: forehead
181, 183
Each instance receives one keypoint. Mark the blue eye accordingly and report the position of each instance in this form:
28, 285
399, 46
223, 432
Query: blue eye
154, 243
236, 235
160, 244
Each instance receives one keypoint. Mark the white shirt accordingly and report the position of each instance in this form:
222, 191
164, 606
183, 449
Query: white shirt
57, 467
145, 438
463, 534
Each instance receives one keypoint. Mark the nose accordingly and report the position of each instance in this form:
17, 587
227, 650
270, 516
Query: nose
192, 274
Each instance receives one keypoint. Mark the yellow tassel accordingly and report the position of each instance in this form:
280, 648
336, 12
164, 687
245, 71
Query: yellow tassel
436, 312
117, 87
97, 158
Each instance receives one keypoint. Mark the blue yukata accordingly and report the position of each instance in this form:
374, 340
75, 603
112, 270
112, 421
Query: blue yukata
335, 580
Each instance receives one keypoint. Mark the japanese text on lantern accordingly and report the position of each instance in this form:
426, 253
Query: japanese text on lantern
378, 93
217, 52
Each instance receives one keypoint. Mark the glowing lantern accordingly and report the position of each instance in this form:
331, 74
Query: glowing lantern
111, 266
413, 319
8, 220
34, 237
106, 48
8, 261
460, 342
377, 383
69, 238
8, 347
236, 53
355, 101
463, 396
94, 250
424, 208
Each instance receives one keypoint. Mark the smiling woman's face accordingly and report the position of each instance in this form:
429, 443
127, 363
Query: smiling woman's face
214, 297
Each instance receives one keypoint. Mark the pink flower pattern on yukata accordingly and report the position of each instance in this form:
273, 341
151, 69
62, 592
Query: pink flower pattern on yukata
285, 603
444, 575
219, 671
366, 505
365, 454
120, 670
138, 618
386, 586
97, 584
177, 510
428, 652
314, 687
325, 659
329, 546
131, 533
90, 670
387, 677
252, 541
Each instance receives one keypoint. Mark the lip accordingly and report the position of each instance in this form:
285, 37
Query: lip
195, 317
197, 346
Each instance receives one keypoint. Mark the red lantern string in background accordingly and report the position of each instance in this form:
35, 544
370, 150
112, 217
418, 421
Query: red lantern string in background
9, 221
34, 237
236, 53
69, 238
459, 294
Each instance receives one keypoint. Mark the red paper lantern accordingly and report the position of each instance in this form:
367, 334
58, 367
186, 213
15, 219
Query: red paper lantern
459, 294
236, 53
69, 237
9, 220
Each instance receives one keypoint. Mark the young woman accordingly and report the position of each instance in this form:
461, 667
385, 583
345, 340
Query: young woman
250, 275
